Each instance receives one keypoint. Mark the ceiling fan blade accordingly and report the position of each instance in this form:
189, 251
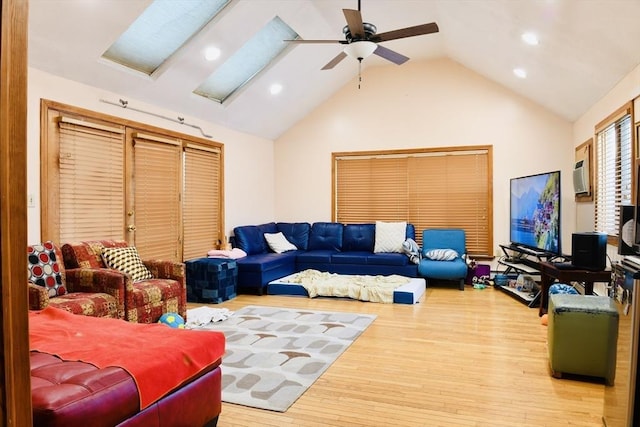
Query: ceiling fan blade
339, 57
418, 30
354, 21
390, 55
300, 41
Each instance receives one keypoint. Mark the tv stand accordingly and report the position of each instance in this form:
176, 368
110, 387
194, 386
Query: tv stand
519, 259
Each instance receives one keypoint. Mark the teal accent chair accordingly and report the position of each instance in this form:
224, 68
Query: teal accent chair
444, 238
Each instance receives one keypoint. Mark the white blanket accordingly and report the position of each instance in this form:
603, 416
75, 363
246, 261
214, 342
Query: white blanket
363, 288
203, 315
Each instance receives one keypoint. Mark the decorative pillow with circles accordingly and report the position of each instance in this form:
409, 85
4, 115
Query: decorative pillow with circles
126, 260
390, 236
442, 254
44, 269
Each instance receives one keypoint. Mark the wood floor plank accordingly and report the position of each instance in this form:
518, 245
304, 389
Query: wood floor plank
473, 358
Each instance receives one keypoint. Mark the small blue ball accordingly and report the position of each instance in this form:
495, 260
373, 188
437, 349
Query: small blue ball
173, 320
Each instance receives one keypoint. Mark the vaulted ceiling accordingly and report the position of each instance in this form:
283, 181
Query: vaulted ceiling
585, 48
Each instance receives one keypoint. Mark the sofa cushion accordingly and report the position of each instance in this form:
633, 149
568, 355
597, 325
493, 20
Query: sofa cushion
387, 258
352, 257
319, 256
266, 261
250, 238
296, 232
269, 227
88, 254
411, 231
358, 237
326, 236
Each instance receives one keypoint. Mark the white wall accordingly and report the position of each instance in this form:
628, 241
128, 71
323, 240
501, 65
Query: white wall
249, 179
434, 103
626, 90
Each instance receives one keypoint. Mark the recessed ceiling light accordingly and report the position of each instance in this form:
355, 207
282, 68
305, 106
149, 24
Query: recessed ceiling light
275, 88
530, 38
520, 72
212, 53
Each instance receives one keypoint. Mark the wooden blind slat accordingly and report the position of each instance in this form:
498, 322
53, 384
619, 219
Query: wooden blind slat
201, 201
427, 189
91, 182
105, 174
157, 199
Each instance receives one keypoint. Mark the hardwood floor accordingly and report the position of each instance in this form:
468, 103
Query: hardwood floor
472, 358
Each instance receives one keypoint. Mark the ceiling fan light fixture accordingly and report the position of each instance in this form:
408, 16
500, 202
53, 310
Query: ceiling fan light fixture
360, 49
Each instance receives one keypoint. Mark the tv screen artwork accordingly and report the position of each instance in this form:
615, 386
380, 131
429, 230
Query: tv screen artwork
535, 212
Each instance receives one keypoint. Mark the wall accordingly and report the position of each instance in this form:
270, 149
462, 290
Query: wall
434, 103
627, 89
249, 180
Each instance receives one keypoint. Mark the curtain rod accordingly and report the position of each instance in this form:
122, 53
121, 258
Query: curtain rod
180, 120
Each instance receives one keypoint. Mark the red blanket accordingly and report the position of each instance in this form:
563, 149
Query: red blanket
158, 357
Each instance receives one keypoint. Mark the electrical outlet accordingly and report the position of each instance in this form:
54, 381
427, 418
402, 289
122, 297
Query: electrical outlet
31, 201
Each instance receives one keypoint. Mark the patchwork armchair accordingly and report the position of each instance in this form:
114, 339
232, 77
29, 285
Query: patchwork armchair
442, 255
151, 290
78, 291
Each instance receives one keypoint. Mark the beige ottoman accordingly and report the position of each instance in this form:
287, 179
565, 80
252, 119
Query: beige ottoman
582, 336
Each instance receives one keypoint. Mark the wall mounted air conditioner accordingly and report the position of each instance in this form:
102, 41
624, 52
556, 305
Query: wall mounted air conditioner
581, 177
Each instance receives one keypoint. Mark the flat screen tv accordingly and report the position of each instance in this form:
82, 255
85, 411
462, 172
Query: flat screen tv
535, 212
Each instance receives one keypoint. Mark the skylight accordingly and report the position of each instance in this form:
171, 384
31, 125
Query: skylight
253, 57
164, 27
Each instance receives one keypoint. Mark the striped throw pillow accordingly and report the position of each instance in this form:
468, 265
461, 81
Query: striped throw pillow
442, 254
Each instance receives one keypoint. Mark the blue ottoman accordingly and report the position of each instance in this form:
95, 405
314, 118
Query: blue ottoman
211, 280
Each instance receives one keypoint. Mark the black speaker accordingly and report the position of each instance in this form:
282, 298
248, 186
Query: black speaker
589, 251
626, 233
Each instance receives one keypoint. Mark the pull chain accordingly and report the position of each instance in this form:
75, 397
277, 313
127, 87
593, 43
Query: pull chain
359, 72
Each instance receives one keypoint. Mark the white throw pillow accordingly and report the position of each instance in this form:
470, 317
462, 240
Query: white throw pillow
390, 236
278, 243
442, 254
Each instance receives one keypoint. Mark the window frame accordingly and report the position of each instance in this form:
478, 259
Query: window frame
406, 213
49, 176
614, 119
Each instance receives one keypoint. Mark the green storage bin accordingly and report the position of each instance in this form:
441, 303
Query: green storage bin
582, 336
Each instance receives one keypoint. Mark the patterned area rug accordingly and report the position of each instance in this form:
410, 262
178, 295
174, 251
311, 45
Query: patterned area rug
274, 355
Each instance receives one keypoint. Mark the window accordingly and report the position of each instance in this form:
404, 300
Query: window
163, 28
90, 179
435, 188
155, 211
202, 203
614, 180
245, 64
105, 179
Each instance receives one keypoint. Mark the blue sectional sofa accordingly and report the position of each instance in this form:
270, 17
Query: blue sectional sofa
324, 246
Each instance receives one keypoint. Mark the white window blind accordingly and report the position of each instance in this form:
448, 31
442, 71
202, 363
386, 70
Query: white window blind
614, 156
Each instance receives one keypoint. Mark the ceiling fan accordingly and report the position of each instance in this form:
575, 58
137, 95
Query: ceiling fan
361, 39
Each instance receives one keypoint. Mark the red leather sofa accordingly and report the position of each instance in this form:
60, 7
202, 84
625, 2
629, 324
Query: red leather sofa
100, 372
77, 394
